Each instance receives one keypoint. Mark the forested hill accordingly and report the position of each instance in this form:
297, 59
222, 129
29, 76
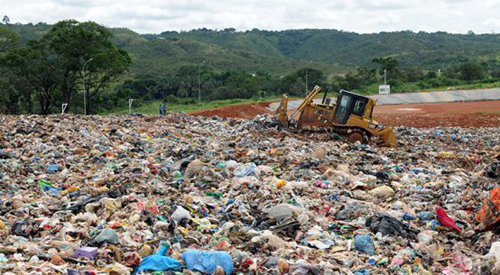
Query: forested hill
353, 49
280, 52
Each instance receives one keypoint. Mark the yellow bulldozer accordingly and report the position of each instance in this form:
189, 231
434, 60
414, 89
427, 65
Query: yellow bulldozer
350, 116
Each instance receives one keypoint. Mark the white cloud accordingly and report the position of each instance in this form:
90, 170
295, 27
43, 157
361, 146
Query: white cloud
154, 16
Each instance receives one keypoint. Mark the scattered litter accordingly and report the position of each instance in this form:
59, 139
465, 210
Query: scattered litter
176, 193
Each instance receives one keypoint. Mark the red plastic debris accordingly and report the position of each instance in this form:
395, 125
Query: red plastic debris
445, 220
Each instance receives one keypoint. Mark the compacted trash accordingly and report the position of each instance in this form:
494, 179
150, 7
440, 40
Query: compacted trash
196, 195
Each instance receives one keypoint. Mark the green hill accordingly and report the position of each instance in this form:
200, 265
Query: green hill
280, 52
352, 49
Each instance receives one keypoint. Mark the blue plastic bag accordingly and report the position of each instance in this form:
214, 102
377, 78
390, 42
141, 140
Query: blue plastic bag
207, 261
249, 169
52, 168
362, 272
364, 243
159, 262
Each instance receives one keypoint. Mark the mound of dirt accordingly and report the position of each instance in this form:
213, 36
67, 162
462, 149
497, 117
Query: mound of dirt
248, 110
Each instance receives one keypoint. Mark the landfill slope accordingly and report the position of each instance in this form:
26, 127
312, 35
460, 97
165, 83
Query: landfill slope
210, 195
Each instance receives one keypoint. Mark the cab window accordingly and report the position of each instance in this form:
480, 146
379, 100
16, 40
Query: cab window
359, 108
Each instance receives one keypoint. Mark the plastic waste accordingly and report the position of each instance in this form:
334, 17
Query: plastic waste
280, 212
493, 170
362, 272
364, 243
494, 251
158, 262
388, 225
180, 213
135, 175
249, 169
303, 268
207, 262
86, 252
425, 237
489, 214
445, 220
52, 168
382, 191
21, 228
107, 235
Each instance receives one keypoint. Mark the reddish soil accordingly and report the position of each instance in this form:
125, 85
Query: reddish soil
248, 110
464, 107
463, 114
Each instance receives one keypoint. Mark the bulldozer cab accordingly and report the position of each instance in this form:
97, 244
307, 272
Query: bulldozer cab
352, 104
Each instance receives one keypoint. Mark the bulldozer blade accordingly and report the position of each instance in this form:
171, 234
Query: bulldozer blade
388, 137
282, 113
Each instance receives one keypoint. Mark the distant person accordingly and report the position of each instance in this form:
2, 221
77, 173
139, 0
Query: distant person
165, 109
161, 110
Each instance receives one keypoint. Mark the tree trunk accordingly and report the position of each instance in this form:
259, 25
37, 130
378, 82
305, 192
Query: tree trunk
68, 87
87, 96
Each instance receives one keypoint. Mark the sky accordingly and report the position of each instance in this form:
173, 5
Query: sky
362, 16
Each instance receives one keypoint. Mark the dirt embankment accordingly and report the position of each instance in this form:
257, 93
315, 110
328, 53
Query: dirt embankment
248, 110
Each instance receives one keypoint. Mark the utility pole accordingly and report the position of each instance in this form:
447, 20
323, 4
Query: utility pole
130, 106
385, 77
306, 75
84, 88
306, 81
199, 83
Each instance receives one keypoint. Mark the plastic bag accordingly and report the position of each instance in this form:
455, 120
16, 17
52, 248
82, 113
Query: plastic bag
489, 214
493, 171
364, 243
180, 213
494, 251
382, 191
303, 268
249, 169
21, 228
158, 262
445, 220
207, 261
107, 235
388, 225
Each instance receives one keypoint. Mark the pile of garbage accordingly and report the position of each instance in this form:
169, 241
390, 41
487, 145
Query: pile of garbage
191, 195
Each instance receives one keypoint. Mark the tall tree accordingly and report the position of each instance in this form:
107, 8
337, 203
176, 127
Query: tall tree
9, 95
88, 56
311, 77
8, 40
6, 20
470, 71
386, 63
